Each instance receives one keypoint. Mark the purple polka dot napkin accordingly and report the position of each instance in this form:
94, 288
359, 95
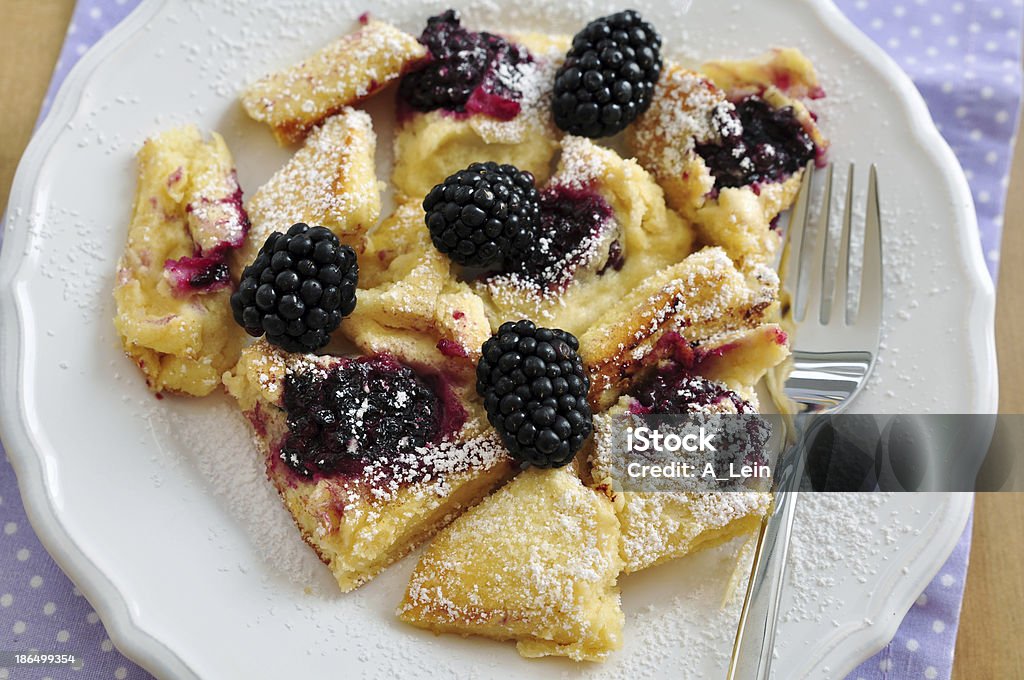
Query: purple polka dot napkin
965, 58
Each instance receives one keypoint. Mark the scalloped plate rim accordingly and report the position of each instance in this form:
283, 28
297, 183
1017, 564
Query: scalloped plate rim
113, 606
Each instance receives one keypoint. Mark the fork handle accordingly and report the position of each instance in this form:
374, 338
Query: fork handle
755, 635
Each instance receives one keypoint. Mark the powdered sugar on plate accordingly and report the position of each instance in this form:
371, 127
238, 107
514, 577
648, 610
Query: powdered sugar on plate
218, 442
217, 48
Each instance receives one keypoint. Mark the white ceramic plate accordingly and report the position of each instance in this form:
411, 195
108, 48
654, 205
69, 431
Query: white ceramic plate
158, 510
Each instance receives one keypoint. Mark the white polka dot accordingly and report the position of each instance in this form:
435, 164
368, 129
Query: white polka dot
996, 13
885, 665
893, 42
947, 580
76, 592
80, 49
72, 29
975, 135
993, 255
877, 23
1009, 79
952, 41
931, 673
1002, 116
938, 626
36, 581
4, 674
983, 197
49, 608
861, 4
63, 636
912, 645
6, 599
958, 8
92, 617
95, 12
987, 92
22, 554
936, 19
106, 645
899, 10
968, 173
914, 31
991, 46
961, 112
10, 528
121, 673
947, 87
18, 628
974, 27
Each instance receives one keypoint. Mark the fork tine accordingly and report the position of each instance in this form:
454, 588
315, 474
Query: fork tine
840, 293
814, 268
795, 230
870, 297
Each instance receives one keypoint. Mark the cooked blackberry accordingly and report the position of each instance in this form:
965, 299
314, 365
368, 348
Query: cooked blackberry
741, 438
464, 63
676, 392
608, 76
535, 389
363, 410
759, 143
484, 214
570, 219
297, 289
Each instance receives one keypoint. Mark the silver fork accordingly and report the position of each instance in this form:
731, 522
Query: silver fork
835, 345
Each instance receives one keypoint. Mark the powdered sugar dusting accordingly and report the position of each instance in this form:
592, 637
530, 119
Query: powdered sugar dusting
340, 74
686, 108
427, 468
219, 443
330, 181
533, 81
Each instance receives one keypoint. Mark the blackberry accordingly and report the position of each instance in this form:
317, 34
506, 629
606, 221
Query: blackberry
463, 62
608, 76
297, 289
362, 410
759, 143
535, 392
484, 214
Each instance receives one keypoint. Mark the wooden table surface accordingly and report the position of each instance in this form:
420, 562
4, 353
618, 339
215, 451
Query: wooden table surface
989, 644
